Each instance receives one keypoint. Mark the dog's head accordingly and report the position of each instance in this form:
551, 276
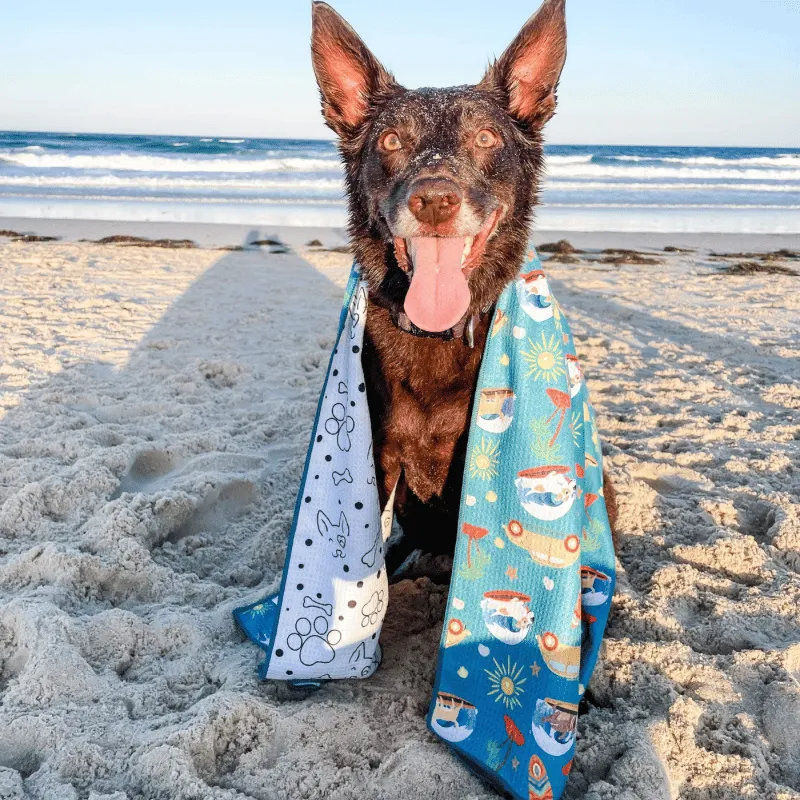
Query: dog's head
441, 182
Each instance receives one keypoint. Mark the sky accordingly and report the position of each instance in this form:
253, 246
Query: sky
662, 72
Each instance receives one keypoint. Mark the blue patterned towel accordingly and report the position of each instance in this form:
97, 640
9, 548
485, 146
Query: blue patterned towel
533, 570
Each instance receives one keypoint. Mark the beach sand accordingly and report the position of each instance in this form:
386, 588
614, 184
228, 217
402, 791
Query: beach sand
155, 407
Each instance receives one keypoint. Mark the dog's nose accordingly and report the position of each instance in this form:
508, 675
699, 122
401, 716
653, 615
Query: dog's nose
434, 200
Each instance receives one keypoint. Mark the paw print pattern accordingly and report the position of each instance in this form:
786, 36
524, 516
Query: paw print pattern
340, 424
313, 643
371, 609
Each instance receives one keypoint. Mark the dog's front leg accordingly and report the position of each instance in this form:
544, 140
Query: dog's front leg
430, 527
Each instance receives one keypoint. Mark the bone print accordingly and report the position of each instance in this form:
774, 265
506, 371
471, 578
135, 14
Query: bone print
310, 602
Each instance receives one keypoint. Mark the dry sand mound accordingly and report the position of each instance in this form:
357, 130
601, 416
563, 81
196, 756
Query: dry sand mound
157, 406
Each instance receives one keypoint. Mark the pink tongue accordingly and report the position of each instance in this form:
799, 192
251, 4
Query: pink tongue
438, 296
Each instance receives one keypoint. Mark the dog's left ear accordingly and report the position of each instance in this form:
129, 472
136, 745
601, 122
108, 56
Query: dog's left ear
350, 78
526, 76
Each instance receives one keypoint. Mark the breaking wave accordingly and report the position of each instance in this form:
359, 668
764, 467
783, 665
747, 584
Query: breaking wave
215, 178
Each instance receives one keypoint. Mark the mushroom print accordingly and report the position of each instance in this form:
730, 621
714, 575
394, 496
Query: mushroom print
561, 400
474, 534
588, 500
514, 738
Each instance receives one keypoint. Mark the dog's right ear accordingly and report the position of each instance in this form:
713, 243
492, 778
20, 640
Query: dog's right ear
350, 78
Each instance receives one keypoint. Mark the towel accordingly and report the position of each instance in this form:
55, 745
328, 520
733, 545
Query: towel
533, 569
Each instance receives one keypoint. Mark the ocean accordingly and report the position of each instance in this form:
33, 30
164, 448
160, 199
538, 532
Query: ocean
299, 182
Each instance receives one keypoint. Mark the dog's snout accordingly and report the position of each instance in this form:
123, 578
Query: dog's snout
434, 200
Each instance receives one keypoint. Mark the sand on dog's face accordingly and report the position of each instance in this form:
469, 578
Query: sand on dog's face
156, 406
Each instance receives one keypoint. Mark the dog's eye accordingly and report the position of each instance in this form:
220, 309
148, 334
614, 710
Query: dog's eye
486, 138
390, 142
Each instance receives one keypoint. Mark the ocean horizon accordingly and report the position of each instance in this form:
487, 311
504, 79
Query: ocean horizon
243, 180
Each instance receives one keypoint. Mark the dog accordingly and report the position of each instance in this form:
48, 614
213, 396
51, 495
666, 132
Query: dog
441, 186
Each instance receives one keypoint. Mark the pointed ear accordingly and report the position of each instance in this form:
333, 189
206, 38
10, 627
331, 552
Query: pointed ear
350, 78
526, 75
324, 523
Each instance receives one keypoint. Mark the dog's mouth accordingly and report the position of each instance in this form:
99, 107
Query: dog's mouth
439, 267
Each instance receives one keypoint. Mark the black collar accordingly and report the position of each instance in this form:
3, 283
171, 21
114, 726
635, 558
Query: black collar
464, 329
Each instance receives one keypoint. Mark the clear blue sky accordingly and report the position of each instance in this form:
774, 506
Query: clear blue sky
706, 72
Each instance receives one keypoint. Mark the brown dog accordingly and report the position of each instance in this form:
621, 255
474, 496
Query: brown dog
441, 184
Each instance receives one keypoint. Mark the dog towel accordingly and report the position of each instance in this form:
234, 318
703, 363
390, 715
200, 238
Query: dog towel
533, 569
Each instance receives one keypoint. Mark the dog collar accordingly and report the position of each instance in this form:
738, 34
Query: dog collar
463, 329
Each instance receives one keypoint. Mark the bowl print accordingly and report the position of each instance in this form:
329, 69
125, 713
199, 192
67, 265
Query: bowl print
546, 493
533, 293
453, 717
495, 410
595, 587
506, 615
574, 374
554, 725
500, 319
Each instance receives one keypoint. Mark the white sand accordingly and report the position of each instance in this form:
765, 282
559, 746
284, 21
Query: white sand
155, 409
